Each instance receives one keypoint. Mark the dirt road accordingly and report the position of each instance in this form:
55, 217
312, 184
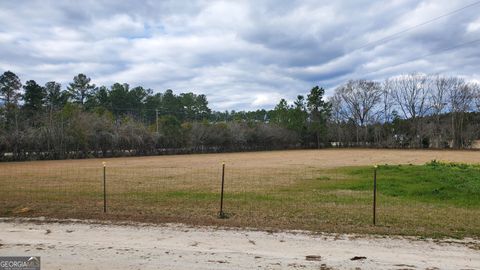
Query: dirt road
74, 245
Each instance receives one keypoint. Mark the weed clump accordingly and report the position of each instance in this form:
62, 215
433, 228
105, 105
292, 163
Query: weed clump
441, 164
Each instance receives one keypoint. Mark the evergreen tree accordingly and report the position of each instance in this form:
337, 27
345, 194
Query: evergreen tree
10, 86
55, 98
80, 89
34, 98
319, 111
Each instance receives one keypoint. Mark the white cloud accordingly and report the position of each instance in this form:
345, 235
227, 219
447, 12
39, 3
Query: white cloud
116, 25
474, 26
266, 99
241, 54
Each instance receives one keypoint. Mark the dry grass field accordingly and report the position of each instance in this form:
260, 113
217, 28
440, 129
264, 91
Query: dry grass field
318, 190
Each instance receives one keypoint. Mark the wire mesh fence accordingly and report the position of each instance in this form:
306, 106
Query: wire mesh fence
295, 197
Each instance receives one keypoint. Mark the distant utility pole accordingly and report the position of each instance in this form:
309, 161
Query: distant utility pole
156, 118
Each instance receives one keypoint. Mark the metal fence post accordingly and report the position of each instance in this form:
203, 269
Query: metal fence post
375, 194
221, 214
104, 187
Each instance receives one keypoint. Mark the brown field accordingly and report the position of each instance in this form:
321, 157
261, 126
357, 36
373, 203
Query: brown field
328, 158
277, 189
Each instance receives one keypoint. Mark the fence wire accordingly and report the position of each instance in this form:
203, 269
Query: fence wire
298, 197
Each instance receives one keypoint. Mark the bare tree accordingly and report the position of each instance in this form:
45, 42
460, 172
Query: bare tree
409, 92
441, 87
460, 96
359, 100
197, 135
476, 92
337, 118
439, 95
387, 102
410, 95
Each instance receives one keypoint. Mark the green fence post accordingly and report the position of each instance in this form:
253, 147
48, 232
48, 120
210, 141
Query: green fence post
221, 214
375, 194
104, 187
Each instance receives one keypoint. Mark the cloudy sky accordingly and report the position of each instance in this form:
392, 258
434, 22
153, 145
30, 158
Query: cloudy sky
241, 54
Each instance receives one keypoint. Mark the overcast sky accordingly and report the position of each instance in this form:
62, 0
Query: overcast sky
241, 54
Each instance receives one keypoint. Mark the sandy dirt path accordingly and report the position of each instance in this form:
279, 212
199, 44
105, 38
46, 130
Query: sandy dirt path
95, 246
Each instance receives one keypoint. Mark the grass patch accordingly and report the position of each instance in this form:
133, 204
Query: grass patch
435, 199
446, 184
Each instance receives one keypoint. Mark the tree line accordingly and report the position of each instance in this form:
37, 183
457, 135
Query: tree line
406, 111
84, 120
